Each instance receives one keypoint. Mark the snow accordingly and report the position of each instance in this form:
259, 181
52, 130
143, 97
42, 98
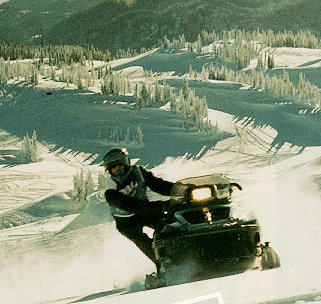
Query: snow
296, 57
122, 61
63, 258
133, 71
49, 225
278, 187
289, 57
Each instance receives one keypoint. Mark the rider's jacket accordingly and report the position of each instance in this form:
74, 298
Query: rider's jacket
126, 198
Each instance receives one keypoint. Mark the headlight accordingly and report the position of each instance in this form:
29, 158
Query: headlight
199, 195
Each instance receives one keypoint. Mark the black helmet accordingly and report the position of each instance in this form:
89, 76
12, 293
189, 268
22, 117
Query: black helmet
115, 157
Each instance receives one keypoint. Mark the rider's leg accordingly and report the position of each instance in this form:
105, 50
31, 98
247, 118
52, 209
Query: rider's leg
132, 228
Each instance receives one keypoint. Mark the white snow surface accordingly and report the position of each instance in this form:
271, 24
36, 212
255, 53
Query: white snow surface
294, 57
41, 264
38, 264
290, 57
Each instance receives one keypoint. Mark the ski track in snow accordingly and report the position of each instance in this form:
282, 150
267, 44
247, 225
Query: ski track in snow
29, 183
276, 185
39, 264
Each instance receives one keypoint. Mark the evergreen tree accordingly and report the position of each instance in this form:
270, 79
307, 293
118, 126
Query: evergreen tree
80, 85
29, 149
144, 95
166, 42
115, 135
127, 136
139, 137
270, 62
83, 187
102, 181
158, 93
34, 77
89, 184
167, 93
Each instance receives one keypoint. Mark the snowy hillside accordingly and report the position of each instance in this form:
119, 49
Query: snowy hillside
52, 251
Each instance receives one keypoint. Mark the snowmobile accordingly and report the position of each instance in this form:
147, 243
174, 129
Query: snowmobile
200, 238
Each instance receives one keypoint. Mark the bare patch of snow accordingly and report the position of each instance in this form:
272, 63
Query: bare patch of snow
133, 71
118, 62
294, 57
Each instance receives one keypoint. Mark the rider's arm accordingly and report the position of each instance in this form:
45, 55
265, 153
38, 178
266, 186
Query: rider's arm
123, 201
157, 184
130, 204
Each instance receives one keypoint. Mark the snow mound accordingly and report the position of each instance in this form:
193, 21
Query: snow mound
96, 212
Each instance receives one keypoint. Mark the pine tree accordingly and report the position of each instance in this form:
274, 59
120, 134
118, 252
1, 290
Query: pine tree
80, 86
89, 184
34, 77
167, 93
144, 95
102, 181
185, 88
139, 137
158, 93
182, 41
199, 44
83, 187
270, 61
29, 149
115, 135
166, 42
127, 136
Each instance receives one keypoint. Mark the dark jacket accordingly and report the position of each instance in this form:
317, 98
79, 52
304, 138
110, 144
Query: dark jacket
131, 196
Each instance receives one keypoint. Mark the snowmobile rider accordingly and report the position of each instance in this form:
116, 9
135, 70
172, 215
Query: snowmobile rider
127, 197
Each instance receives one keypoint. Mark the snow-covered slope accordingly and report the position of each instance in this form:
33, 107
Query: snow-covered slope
62, 258
284, 195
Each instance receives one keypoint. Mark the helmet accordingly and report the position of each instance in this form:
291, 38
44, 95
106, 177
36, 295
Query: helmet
115, 157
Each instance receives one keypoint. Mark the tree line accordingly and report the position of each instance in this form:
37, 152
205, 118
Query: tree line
279, 86
238, 47
58, 55
130, 136
303, 38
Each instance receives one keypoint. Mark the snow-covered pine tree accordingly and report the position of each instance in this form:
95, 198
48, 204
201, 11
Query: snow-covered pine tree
185, 88
308, 93
102, 184
52, 73
115, 135
167, 92
179, 103
191, 72
127, 136
182, 41
166, 42
3, 71
29, 149
80, 85
270, 60
199, 45
139, 136
34, 76
158, 93
136, 91
83, 186
88, 80
89, 184
144, 95
261, 60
